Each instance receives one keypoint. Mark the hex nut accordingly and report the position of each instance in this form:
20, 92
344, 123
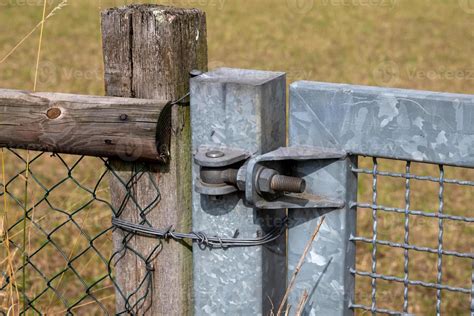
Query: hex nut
264, 180
241, 177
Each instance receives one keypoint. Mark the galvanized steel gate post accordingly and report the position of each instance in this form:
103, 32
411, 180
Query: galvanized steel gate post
233, 108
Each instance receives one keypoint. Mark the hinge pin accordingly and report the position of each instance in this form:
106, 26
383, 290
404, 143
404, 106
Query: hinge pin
215, 154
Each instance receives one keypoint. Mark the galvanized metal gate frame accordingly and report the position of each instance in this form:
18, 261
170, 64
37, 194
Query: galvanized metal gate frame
408, 125
245, 109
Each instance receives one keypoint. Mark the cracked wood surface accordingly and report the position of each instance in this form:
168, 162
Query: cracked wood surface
149, 51
79, 124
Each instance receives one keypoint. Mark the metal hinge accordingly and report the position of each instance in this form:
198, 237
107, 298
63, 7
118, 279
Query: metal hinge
269, 181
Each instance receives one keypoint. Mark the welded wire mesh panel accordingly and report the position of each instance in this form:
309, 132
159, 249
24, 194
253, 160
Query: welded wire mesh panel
58, 251
415, 242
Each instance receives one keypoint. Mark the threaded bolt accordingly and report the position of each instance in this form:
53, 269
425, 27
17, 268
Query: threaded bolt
287, 184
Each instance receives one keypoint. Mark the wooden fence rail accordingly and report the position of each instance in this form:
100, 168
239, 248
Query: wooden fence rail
127, 128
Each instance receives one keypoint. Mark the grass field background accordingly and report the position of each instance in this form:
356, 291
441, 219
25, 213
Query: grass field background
418, 44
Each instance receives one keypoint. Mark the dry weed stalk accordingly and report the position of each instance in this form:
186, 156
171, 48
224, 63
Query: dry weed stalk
298, 267
10, 270
302, 303
51, 14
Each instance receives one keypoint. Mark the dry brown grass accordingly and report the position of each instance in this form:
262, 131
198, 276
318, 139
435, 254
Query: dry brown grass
421, 43
63, 219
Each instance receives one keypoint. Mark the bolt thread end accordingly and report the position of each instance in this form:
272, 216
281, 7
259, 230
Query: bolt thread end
288, 184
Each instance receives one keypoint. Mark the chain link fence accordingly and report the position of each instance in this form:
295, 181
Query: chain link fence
58, 246
59, 249
67, 229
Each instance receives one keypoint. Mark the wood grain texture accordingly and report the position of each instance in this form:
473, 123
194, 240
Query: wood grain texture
149, 51
84, 125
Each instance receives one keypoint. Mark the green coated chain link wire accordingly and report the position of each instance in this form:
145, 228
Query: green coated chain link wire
57, 254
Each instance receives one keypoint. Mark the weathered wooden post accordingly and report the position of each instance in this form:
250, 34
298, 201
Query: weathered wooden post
149, 51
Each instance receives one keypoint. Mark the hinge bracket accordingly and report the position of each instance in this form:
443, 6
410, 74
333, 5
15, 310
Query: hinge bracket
270, 181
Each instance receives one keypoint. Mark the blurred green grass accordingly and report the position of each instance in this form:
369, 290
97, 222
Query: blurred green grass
417, 44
